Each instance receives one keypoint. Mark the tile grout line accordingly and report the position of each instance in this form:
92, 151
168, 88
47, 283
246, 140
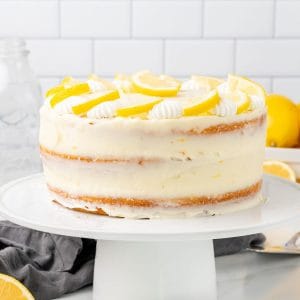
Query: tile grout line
202, 18
164, 56
274, 19
59, 18
234, 55
93, 55
130, 19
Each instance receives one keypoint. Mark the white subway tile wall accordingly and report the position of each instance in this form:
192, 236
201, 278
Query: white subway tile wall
257, 38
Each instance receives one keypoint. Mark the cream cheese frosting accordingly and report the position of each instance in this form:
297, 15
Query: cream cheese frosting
167, 109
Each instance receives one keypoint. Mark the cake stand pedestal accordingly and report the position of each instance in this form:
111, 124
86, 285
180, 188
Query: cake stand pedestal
149, 259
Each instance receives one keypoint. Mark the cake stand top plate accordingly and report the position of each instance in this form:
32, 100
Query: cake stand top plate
26, 202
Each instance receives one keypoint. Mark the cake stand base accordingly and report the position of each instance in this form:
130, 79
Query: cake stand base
162, 259
155, 270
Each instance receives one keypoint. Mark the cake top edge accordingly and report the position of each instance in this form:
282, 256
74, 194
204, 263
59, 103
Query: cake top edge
145, 95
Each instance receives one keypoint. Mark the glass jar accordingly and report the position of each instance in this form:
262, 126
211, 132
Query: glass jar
20, 98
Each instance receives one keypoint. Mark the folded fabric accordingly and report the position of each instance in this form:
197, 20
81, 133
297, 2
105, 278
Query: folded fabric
52, 265
49, 265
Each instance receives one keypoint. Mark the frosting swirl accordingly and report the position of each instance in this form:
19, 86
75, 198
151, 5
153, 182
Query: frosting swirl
65, 107
168, 109
104, 110
257, 102
225, 108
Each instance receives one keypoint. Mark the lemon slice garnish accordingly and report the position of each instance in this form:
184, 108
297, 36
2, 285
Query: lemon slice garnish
65, 83
147, 83
137, 104
210, 83
74, 90
11, 288
123, 83
202, 105
82, 108
280, 169
245, 85
105, 83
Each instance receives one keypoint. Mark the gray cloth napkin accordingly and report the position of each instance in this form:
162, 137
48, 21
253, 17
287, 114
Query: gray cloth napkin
52, 265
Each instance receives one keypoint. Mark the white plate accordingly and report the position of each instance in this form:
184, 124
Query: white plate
288, 155
26, 202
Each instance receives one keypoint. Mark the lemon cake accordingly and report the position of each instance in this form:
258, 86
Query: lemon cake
150, 146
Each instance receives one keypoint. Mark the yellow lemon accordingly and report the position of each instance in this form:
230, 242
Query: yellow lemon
245, 85
150, 84
282, 122
65, 83
201, 105
12, 289
209, 83
137, 105
123, 83
82, 108
102, 82
280, 169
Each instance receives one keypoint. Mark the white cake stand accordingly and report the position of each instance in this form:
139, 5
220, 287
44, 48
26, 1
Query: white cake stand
149, 259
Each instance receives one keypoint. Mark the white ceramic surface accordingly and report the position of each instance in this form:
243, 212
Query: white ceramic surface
146, 259
288, 155
26, 202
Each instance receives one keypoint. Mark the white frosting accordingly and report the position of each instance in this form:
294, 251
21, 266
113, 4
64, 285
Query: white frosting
225, 108
257, 102
223, 90
193, 85
96, 86
65, 107
168, 109
104, 110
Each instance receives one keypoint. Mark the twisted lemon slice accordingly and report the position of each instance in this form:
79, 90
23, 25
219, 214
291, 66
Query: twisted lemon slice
147, 83
123, 83
82, 108
137, 105
210, 83
100, 82
202, 105
67, 81
245, 85
75, 90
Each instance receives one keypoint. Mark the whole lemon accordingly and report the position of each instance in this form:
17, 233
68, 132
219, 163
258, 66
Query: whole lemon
282, 122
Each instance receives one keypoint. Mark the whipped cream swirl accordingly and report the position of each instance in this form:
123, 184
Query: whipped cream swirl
225, 108
193, 85
65, 107
96, 86
104, 110
168, 109
257, 102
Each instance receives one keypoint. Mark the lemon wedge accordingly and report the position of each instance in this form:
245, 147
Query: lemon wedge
137, 105
11, 288
74, 90
245, 85
202, 105
82, 108
279, 168
148, 83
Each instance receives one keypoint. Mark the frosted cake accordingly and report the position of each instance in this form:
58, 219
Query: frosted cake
149, 146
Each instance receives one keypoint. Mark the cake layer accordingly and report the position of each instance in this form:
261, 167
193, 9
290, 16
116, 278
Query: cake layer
128, 138
158, 180
139, 208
